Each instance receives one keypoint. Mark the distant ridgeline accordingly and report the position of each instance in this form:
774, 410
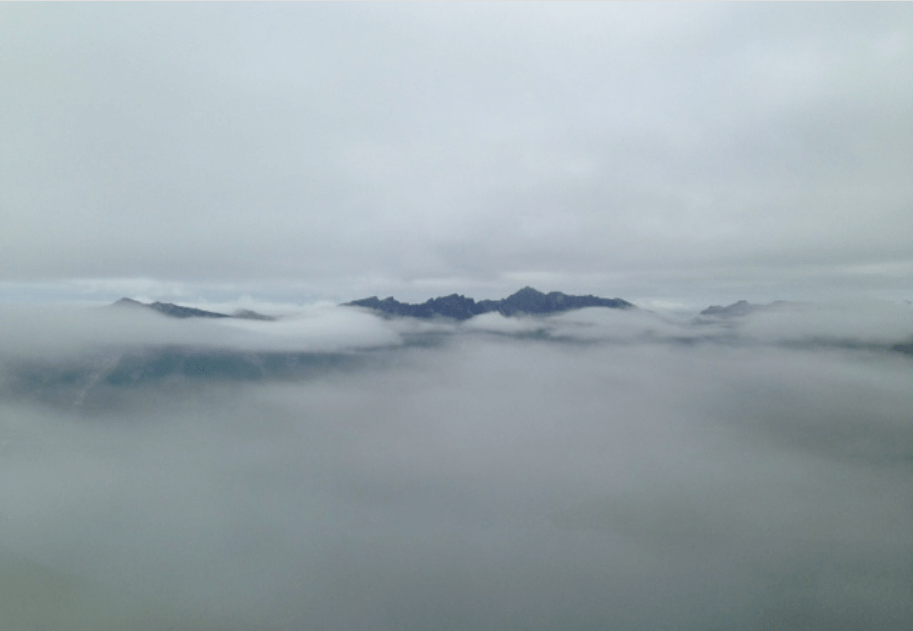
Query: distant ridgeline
743, 308
176, 311
527, 301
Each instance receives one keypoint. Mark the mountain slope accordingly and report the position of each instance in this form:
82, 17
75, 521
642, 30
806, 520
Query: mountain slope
176, 311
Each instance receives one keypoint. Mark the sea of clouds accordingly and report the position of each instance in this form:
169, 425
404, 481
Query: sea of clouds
596, 469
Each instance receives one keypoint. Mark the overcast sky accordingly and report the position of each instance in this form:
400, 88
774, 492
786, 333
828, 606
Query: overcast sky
668, 154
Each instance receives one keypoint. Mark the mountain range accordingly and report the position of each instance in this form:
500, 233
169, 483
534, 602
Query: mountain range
457, 307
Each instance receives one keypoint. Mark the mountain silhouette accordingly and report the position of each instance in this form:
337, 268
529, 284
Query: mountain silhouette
457, 307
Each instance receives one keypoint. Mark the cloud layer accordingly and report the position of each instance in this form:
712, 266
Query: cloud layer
597, 469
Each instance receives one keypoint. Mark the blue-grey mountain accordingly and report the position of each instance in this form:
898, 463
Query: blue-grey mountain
457, 307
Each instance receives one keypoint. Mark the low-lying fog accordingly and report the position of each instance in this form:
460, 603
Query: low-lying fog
598, 469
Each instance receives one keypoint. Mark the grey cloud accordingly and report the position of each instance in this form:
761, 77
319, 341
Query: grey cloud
876, 323
334, 145
487, 481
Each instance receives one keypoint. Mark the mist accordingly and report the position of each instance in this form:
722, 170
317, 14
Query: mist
595, 469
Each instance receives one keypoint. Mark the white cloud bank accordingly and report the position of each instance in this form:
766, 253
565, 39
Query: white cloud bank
65, 332
492, 482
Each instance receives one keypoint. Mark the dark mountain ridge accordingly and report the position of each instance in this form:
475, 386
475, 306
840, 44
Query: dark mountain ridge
457, 307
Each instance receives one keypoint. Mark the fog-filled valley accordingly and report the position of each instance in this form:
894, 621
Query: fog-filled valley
333, 469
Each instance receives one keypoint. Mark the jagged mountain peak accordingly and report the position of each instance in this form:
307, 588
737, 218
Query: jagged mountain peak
458, 307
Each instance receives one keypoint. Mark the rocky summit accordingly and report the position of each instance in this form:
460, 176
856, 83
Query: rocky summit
457, 307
